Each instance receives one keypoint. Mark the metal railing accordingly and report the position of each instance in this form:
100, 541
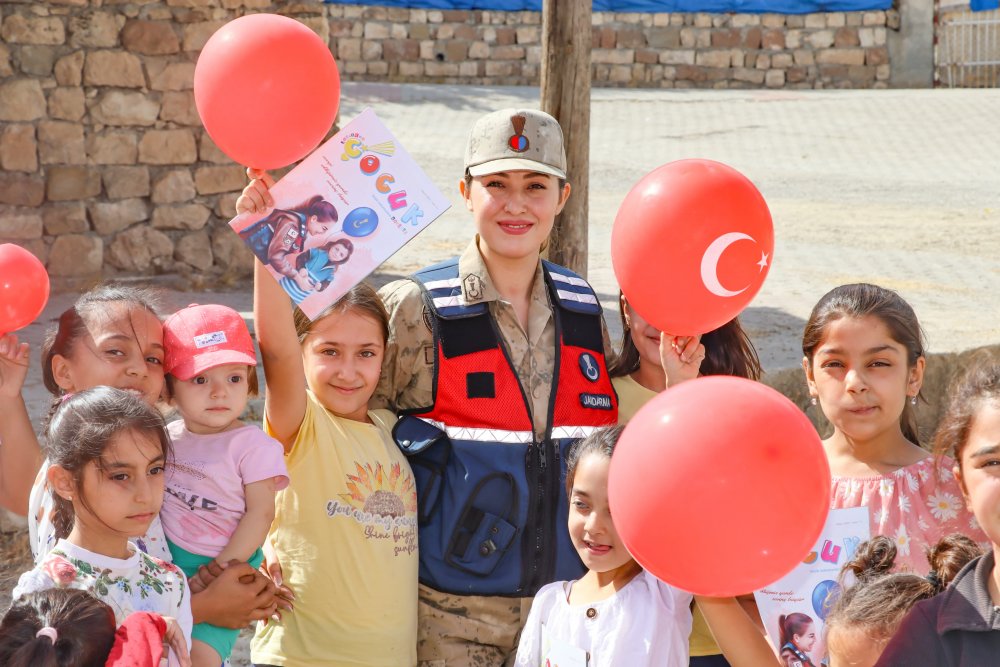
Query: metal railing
967, 49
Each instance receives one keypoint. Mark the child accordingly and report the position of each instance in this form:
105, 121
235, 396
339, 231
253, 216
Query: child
798, 637
65, 627
221, 484
650, 362
345, 530
110, 336
280, 236
864, 364
107, 450
961, 625
317, 266
617, 613
57, 628
867, 613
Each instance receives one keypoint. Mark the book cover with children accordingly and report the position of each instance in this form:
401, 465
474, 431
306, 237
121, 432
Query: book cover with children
340, 213
795, 607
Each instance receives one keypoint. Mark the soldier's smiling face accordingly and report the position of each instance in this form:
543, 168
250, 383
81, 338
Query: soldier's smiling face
514, 211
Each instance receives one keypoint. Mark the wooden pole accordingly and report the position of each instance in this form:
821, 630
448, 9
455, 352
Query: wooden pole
566, 41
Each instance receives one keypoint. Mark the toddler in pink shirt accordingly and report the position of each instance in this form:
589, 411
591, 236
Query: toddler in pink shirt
220, 485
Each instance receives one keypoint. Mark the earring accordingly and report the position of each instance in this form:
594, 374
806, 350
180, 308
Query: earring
812, 400
913, 401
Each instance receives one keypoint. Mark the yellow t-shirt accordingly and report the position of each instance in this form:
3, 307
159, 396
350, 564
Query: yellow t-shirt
345, 532
631, 397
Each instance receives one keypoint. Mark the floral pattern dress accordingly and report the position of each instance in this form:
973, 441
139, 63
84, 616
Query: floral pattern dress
137, 583
915, 506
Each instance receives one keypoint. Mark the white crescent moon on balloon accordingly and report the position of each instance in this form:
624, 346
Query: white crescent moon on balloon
710, 263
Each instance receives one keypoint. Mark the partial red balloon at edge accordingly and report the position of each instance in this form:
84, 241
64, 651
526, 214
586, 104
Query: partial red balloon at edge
24, 288
691, 245
719, 486
267, 90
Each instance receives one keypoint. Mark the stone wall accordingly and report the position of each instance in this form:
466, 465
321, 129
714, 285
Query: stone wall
106, 170
834, 50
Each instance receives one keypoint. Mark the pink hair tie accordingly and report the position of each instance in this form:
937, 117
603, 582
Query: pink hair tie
49, 632
65, 397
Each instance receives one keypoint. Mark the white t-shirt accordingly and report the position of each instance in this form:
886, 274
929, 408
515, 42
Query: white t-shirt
646, 623
137, 583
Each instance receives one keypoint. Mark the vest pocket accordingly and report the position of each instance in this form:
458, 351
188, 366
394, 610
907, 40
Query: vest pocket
484, 531
415, 436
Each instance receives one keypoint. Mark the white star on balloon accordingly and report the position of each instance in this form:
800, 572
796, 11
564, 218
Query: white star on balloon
763, 261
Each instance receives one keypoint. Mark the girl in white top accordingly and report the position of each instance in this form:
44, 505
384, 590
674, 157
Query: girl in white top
107, 451
616, 614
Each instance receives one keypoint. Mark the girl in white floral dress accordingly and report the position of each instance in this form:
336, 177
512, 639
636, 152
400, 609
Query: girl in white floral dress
864, 363
107, 449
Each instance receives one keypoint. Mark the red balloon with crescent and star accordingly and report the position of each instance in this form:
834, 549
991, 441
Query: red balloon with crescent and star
691, 245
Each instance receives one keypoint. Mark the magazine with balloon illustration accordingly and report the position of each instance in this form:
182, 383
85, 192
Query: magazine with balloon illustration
795, 607
345, 209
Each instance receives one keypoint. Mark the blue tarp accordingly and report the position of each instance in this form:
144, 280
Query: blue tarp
717, 6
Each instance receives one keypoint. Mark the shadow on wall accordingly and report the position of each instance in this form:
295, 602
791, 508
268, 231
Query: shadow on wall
942, 369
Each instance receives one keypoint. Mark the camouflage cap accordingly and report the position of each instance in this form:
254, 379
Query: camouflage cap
512, 139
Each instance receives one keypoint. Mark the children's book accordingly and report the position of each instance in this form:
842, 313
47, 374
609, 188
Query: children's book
804, 596
559, 653
340, 213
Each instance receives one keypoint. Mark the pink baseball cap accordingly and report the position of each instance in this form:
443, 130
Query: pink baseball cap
198, 338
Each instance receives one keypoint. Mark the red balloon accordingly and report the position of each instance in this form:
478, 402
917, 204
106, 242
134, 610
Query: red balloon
719, 486
24, 287
691, 245
267, 90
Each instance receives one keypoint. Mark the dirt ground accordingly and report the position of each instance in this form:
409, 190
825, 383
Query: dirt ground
893, 187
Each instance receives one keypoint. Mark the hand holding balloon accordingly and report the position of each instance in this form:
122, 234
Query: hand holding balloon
681, 357
256, 196
13, 366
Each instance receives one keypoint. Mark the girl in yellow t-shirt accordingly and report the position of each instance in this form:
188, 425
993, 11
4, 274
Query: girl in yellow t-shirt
344, 537
650, 362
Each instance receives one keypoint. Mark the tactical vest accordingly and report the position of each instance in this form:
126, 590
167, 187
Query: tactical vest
491, 498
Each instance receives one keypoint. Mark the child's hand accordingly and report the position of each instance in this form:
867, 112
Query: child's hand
256, 197
237, 595
271, 568
173, 640
197, 582
681, 357
13, 366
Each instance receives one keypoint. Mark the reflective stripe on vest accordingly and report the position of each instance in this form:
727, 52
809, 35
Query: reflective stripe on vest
483, 434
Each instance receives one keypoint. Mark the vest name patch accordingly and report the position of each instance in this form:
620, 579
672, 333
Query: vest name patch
596, 401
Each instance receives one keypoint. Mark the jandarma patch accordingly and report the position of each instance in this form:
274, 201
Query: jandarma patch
589, 367
518, 142
596, 401
209, 339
